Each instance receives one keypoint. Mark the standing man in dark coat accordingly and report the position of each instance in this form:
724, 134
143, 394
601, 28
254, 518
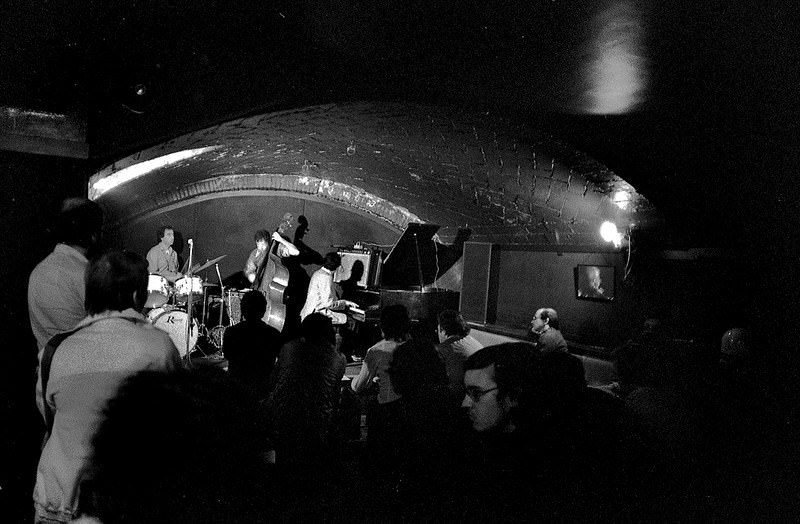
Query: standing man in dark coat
251, 346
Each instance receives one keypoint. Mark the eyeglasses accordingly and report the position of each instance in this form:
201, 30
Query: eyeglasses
475, 394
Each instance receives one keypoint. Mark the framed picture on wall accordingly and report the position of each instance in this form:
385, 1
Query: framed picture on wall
594, 282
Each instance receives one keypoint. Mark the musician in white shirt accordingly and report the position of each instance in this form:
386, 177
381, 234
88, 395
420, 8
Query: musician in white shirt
323, 293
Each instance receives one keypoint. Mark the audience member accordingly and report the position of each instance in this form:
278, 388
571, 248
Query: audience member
634, 360
183, 447
383, 435
111, 343
735, 351
57, 285
741, 421
527, 410
742, 407
544, 329
430, 430
251, 346
455, 345
307, 380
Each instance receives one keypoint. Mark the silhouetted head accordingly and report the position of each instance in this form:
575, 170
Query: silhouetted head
254, 305
115, 282
79, 223
395, 324
316, 327
207, 465
452, 324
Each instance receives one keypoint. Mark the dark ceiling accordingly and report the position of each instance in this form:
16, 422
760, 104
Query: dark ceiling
698, 114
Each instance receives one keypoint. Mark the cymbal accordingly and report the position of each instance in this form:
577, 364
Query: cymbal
207, 264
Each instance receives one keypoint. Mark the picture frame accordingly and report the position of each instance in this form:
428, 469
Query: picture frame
595, 282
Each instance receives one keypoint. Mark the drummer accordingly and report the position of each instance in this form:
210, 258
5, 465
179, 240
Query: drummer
162, 259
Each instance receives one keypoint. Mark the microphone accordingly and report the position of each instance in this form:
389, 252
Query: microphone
191, 242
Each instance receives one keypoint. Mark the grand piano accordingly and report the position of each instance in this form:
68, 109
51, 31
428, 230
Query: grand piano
406, 276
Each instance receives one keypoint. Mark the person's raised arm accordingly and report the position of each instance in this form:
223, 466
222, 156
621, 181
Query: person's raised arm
290, 248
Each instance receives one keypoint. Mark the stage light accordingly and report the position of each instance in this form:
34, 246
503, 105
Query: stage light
609, 233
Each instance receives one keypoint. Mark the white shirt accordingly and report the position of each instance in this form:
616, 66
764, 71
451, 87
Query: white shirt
86, 371
56, 292
323, 294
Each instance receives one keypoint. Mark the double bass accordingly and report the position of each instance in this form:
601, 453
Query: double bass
272, 279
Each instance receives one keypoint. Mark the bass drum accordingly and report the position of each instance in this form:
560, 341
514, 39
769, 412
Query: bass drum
173, 322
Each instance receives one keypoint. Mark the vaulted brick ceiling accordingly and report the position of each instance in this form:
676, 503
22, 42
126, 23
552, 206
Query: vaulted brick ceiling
396, 163
706, 138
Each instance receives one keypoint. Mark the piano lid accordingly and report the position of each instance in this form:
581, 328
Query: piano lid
401, 268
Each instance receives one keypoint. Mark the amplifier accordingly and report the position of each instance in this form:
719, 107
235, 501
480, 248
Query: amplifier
362, 265
235, 305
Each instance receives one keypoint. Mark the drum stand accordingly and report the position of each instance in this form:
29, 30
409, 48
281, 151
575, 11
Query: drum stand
218, 331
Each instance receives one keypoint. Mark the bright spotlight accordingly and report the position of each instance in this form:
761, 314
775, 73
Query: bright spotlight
609, 231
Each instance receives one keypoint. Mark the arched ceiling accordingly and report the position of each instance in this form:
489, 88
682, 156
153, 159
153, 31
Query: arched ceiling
691, 102
391, 162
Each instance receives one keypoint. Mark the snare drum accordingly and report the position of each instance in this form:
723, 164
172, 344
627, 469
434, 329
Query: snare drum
157, 291
173, 322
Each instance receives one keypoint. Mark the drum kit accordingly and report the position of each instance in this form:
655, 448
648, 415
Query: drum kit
170, 310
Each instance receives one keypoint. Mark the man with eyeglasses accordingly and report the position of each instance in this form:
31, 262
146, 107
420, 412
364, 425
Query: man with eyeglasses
499, 461
525, 409
493, 380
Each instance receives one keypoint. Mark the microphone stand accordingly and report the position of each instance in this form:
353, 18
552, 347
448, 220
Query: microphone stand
221, 295
189, 302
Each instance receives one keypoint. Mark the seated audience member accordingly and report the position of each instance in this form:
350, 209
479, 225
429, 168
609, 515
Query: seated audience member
455, 345
179, 447
429, 426
742, 407
735, 351
742, 421
526, 409
635, 360
251, 346
383, 435
544, 329
302, 406
113, 342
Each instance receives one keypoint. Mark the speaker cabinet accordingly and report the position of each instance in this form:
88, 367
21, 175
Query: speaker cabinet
479, 280
235, 306
362, 265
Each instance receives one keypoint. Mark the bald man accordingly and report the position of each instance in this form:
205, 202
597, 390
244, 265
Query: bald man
544, 329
